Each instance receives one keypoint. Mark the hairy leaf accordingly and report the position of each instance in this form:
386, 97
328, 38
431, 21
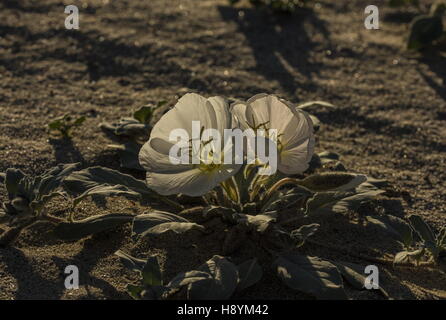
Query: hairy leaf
339, 202
158, 222
354, 275
260, 222
310, 275
404, 257
108, 191
333, 181
83, 228
131, 262
250, 272
301, 234
127, 127
221, 285
395, 226
12, 180
422, 229
283, 200
81, 181
315, 104
186, 278
52, 179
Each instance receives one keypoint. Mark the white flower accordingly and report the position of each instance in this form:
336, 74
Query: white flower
295, 138
167, 177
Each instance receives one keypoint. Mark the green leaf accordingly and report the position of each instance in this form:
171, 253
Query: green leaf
424, 30
81, 181
397, 227
221, 285
158, 222
144, 114
62, 126
108, 191
301, 234
310, 275
333, 181
131, 262
422, 229
135, 291
250, 272
151, 273
83, 228
55, 125
79, 121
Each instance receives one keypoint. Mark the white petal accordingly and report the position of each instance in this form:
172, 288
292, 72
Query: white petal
296, 160
238, 111
191, 182
191, 107
220, 115
154, 156
298, 129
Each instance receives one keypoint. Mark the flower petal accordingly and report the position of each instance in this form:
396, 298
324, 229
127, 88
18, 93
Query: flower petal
296, 160
154, 156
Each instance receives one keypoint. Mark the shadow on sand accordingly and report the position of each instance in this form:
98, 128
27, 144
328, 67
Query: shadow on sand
281, 43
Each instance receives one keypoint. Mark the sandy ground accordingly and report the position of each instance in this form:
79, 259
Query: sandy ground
390, 120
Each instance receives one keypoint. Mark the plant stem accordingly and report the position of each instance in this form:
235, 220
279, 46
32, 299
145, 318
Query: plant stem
172, 203
230, 189
279, 184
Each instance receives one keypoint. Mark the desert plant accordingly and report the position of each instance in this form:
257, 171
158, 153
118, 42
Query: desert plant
63, 127
27, 198
426, 29
217, 279
135, 131
248, 203
272, 208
